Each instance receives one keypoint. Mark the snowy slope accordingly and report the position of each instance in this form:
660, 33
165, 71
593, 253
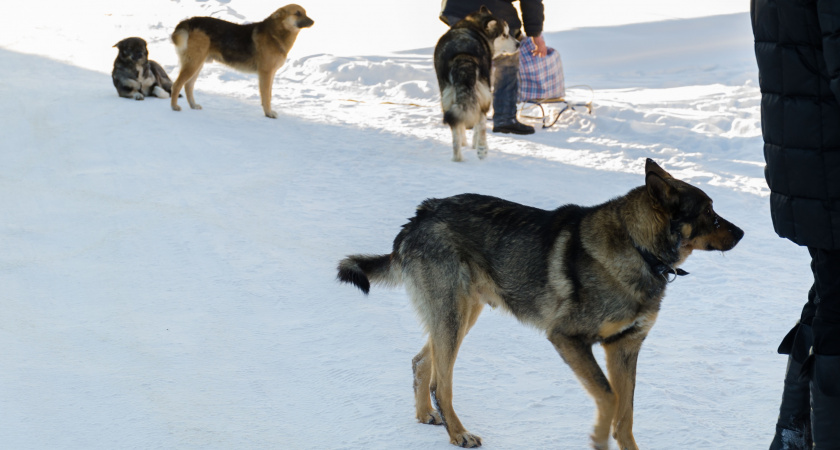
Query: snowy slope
167, 279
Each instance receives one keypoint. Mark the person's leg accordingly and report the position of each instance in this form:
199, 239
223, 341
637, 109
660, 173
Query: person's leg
505, 95
825, 383
793, 427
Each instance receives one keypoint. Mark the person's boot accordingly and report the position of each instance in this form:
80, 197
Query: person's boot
793, 427
514, 127
825, 402
825, 384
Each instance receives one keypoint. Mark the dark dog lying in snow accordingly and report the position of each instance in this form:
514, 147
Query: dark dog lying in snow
135, 75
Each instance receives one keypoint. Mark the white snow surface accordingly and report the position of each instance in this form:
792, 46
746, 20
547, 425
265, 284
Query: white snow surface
167, 280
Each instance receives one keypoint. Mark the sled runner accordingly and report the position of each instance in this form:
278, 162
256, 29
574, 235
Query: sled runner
549, 110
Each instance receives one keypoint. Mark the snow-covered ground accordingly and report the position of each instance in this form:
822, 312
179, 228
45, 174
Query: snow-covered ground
167, 280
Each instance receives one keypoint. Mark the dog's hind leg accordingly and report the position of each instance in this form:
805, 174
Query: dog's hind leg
421, 365
190, 86
192, 51
480, 136
160, 92
458, 138
622, 356
445, 336
578, 355
186, 79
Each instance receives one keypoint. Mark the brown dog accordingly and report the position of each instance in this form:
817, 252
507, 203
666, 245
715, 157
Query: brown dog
258, 47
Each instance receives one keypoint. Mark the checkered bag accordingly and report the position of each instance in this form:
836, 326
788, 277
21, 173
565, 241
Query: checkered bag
539, 78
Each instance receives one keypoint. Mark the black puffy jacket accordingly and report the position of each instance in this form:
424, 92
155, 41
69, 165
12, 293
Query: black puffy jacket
797, 46
533, 13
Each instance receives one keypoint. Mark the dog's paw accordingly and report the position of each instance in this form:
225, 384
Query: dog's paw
160, 92
625, 445
271, 114
196, 106
596, 445
176, 108
138, 96
466, 440
430, 418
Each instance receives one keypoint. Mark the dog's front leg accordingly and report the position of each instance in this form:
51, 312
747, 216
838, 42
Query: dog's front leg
266, 81
622, 356
130, 89
578, 355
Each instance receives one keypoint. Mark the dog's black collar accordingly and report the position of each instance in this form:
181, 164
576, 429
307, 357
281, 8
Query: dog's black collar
657, 266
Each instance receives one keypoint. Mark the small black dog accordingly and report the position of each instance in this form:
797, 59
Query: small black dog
135, 75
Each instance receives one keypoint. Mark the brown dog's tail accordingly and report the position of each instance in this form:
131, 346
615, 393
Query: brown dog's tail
179, 38
360, 270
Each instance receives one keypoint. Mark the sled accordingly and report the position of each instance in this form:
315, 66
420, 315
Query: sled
548, 110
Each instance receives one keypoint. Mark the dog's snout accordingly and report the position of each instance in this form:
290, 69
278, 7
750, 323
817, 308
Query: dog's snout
737, 233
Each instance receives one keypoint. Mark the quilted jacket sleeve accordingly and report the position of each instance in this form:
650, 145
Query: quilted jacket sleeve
533, 16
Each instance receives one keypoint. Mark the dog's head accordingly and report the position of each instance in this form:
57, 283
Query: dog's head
292, 17
133, 50
690, 213
496, 30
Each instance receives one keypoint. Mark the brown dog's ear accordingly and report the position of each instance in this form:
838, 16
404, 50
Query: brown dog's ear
661, 191
280, 14
484, 9
491, 28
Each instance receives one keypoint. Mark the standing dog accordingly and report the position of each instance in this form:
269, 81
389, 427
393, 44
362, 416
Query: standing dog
582, 274
258, 47
135, 75
463, 57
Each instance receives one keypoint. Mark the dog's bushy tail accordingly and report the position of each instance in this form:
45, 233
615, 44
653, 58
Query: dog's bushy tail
459, 97
361, 270
179, 38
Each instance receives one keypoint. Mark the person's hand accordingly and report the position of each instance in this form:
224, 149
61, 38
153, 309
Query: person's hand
541, 50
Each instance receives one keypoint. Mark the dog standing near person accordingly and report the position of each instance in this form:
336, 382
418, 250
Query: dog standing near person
584, 275
462, 59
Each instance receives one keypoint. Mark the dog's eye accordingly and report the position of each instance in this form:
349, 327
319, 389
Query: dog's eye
297, 13
708, 211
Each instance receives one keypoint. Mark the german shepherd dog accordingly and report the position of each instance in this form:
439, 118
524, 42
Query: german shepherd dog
463, 58
585, 275
135, 75
258, 47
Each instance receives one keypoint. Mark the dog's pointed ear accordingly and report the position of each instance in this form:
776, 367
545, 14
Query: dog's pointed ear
661, 191
484, 9
491, 27
651, 166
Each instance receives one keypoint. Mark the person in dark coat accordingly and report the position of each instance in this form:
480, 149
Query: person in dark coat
506, 67
797, 47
